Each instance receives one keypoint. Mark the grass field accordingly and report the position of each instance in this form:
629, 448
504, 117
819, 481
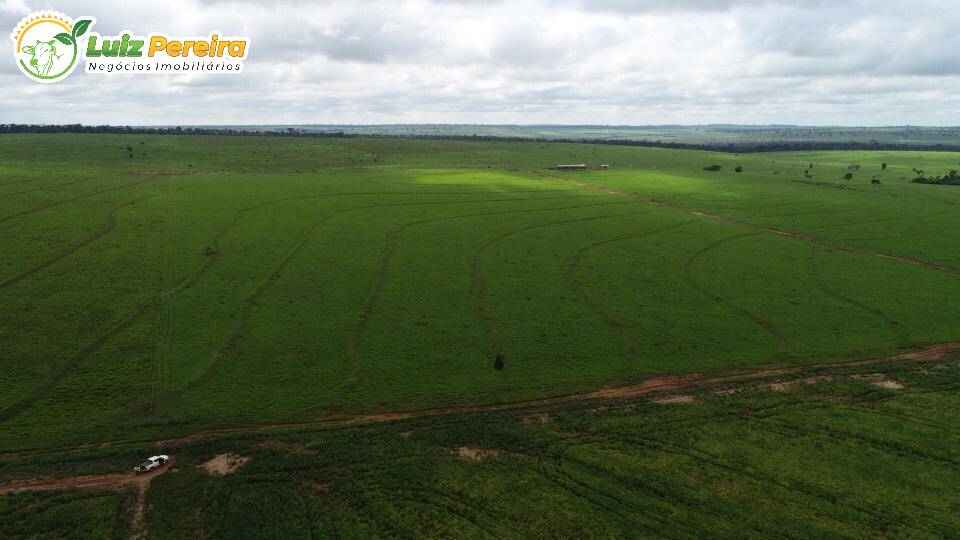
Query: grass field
210, 282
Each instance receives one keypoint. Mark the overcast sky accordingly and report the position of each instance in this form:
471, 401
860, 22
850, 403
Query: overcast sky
851, 62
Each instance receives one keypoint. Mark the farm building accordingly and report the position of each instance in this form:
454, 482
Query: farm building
578, 167
604, 166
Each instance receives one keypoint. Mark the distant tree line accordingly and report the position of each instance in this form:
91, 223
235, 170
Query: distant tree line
730, 147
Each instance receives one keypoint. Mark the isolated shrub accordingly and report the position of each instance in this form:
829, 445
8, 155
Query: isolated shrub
883, 166
739, 169
875, 180
712, 168
499, 362
848, 176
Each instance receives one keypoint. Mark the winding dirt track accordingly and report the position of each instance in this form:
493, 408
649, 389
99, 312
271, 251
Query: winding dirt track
669, 383
933, 352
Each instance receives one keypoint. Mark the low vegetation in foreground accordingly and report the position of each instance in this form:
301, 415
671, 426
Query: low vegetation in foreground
156, 287
857, 451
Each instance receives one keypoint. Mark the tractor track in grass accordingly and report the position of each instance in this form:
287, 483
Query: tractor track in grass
928, 231
478, 279
57, 374
251, 300
166, 311
815, 276
111, 225
363, 317
802, 488
109, 228
688, 277
596, 305
669, 383
780, 232
883, 220
58, 203
51, 379
45, 187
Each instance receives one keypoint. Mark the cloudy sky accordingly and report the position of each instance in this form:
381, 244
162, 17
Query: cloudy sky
851, 62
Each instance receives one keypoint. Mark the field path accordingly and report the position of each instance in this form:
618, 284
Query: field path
366, 311
98, 481
780, 232
58, 203
93, 481
478, 278
688, 277
596, 304
666, 383
813, 270
70, 250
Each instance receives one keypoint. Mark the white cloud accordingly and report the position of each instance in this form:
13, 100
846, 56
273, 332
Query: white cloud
525, 61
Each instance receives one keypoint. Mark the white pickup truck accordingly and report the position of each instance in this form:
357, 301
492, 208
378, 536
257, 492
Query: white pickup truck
151, 463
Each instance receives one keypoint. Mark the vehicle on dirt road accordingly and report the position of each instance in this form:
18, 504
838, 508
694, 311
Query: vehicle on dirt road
151, 463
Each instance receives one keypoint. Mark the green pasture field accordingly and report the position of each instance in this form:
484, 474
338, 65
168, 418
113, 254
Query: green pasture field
202, 295
220, 281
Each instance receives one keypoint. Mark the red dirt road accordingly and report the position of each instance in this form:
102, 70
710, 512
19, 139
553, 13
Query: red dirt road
669, 383
94, 481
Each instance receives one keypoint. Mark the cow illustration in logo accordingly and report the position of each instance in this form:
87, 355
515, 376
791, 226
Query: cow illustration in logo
47, 44
42, 56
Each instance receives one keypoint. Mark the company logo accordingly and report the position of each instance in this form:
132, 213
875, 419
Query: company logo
46, 44
49, 45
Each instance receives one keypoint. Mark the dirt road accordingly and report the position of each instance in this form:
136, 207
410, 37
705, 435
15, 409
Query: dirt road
669, 383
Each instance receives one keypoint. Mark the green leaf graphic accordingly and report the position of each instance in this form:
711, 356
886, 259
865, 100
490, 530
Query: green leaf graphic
81, 27
64, 38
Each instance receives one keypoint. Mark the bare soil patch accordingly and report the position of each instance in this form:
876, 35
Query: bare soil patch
888, 384
476, 454
677, 398
536, 418
881, 381
224, 464
656, 383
